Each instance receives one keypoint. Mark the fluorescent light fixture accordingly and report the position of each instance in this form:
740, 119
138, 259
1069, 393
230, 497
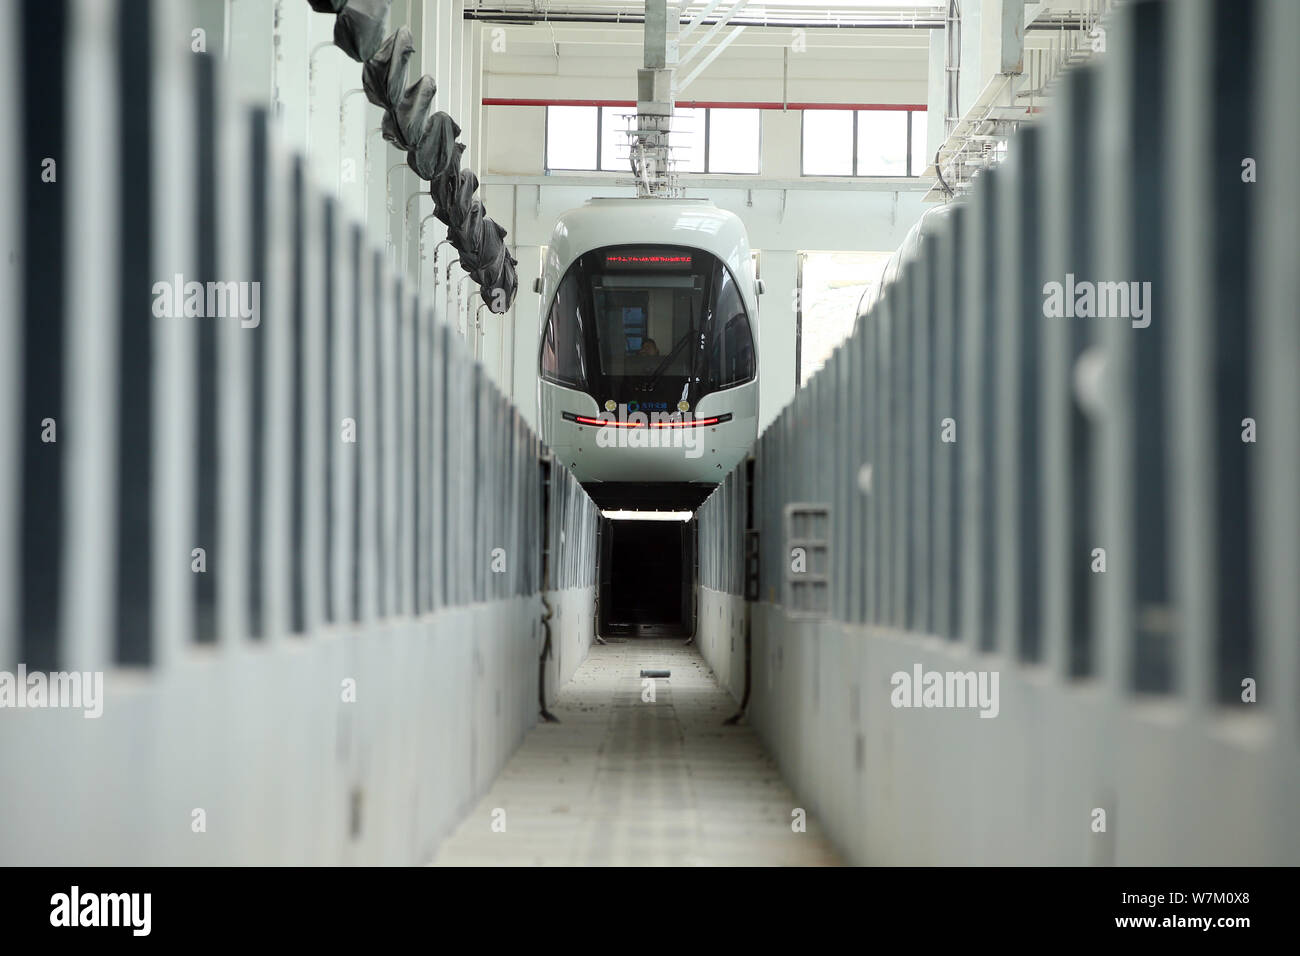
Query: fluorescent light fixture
647, 515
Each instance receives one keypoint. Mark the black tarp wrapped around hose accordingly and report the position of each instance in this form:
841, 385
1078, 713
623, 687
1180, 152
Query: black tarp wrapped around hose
429, 140
457, 199
359, 28
436, 157
383, 76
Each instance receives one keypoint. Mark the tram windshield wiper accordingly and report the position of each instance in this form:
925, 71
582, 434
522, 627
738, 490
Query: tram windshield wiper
668, 359
691, 330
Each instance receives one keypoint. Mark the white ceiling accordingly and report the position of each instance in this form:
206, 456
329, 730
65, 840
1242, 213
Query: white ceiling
897, 50
892, 11
779, 11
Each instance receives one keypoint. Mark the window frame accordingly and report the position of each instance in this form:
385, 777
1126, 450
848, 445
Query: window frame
708, 140
546, 144
909, 174
600, 143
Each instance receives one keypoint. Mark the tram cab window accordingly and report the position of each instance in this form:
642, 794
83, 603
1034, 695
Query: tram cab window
627, 319
650, 323
562, 348
731, 349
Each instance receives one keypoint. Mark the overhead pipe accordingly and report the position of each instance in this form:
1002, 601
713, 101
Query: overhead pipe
705, 104
462, 317
406, 223
276, 57
343, 106
365, 162
419, 273
524, 18
343, 131
388, 187
419, 278
448, 290
389, 244
311, 88
311, 75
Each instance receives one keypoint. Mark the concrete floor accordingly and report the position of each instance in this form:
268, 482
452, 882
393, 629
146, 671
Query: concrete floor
624, 782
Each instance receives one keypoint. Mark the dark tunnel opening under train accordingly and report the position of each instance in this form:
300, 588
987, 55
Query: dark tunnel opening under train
647, 577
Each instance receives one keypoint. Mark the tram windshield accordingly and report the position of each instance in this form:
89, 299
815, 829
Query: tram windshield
650, 324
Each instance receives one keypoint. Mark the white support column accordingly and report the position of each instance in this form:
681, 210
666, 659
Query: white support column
234, 250
1011, 40
11, 343
1190, 402
173, 253
312, 387
650, 146
91, 317
277, 344
934, 131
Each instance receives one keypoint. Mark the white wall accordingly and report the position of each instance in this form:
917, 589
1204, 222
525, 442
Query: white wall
600, 61
257, 733
260, 739
926, 787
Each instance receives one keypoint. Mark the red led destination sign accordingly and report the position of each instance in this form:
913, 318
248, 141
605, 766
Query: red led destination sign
649, 260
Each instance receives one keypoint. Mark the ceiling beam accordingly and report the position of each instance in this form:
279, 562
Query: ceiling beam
713, 31
505, 17
700, 18
713, 55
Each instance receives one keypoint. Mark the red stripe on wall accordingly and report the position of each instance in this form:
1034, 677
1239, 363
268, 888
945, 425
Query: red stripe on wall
706, 104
